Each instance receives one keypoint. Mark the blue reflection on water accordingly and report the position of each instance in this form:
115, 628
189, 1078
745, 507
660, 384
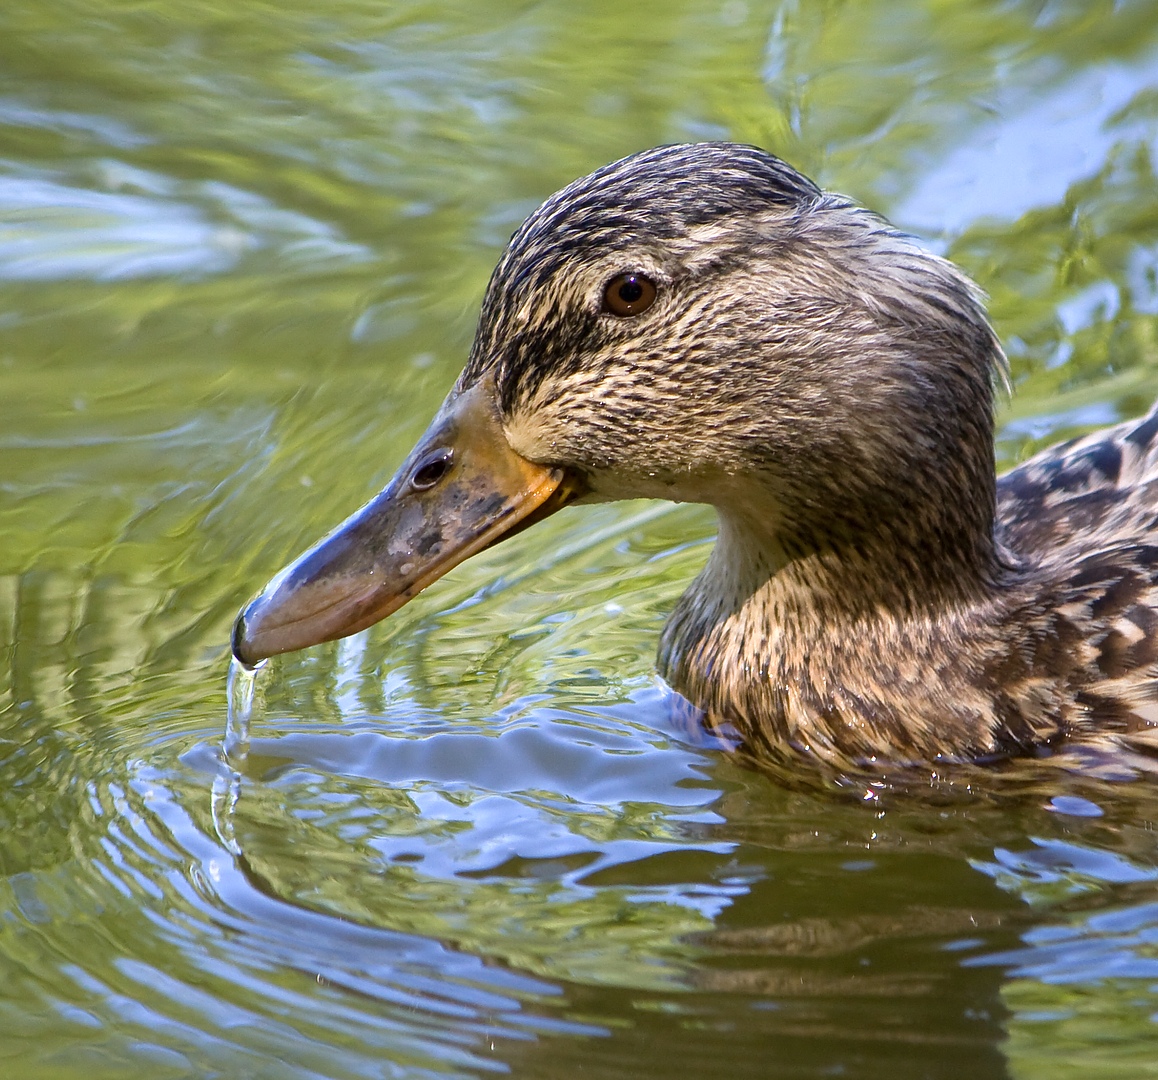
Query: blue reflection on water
1031, 151
441, 1001
1120, 943
549, 784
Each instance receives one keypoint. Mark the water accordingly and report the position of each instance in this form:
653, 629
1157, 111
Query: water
241, 252
240, 691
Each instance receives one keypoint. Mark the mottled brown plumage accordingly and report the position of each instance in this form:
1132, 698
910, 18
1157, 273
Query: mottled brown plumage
874, 595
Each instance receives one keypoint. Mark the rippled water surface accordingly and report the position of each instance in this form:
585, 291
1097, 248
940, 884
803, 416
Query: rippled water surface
241, 251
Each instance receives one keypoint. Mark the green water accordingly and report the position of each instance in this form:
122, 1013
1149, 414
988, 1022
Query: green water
241, 251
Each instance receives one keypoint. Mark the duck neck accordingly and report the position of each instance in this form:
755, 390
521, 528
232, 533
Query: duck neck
841, 648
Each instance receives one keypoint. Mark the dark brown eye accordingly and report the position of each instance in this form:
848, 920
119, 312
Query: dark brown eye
430, 470
628, 294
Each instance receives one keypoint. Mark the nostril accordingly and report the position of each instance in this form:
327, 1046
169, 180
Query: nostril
432, 468
237, 641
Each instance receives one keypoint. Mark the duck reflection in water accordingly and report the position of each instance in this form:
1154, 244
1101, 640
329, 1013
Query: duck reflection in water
701, 323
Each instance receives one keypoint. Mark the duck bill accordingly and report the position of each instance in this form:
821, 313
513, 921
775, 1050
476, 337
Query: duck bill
409, 535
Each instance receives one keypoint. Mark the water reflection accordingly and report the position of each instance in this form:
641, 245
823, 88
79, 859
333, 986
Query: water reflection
1036, 146
146, 225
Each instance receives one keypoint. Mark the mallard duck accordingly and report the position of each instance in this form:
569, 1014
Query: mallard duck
702, 323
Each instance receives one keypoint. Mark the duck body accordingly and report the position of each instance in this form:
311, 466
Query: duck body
701, 323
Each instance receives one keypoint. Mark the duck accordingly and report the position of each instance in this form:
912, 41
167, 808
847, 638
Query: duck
702, 323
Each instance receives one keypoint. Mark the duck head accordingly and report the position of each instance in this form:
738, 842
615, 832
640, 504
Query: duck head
694, 323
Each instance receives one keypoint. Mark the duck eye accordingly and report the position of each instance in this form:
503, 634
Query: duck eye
628, 294
430, 470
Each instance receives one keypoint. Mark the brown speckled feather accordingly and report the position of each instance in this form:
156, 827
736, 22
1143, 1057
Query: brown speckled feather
1086, 494
1085, 514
